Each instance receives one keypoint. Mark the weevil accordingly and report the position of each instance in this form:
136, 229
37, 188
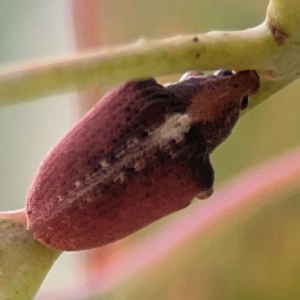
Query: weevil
140, 154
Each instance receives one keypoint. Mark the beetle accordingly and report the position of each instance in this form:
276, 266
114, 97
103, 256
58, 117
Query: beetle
140, 154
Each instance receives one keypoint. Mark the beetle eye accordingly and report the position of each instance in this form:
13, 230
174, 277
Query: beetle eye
223, 73
244, 102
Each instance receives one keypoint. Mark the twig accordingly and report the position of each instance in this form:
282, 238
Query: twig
266, 48
24, 262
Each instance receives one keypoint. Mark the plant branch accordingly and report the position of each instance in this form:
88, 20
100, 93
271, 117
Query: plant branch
24, 262
254, 48
286, 13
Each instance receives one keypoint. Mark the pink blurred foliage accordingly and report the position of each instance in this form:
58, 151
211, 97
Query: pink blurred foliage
87, 34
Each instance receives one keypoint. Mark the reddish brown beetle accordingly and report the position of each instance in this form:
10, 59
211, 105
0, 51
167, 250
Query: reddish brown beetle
140, 154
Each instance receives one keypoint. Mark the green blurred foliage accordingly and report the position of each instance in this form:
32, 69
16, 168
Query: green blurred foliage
158, 18
29, 30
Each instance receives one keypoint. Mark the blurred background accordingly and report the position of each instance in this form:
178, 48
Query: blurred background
253, 256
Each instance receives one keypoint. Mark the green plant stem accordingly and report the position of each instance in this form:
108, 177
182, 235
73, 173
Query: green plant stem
24, 262
271, 48
228, 50
287, 14
111, 65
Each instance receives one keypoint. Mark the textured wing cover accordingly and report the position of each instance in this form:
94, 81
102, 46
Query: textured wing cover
112, 175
